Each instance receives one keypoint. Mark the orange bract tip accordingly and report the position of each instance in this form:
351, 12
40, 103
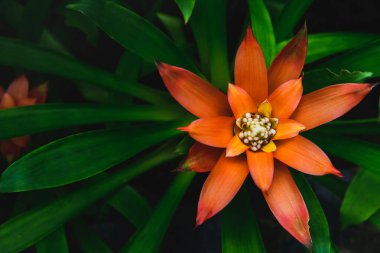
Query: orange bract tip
184, 128
195, 94
235, 147
240, 101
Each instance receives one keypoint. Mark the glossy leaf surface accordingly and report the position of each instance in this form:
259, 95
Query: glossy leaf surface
72, 158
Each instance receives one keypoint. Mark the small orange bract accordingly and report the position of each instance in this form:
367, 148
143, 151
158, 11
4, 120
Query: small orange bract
258, 123
18, 94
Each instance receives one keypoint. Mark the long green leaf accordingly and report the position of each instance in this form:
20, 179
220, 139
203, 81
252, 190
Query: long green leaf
362, 153
319, 228
55, 242
365, 58
325, 44
32, 226
89, 241
80, 156
320, 78
209, 28
262, 28
133, 32
19, 121
186, 7
362, 198
357, 127
289, 18
149, 237
240, 231
132, 205
16, 53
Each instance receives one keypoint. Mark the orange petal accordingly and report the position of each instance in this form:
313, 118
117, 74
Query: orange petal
19, 88
235, 147
329, 103
10, 151
7, 101
250, 68
240, 101
287, 205
215, 131
202, 158
221, 186
303, 155
26, 102
21, 141
194, 93
261, 167
39, 93
287, 128
289, 62
285, 98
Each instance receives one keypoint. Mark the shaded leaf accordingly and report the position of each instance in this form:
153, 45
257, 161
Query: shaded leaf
319, 227
174, 27
71, 159
362, 198
262, 28
375, 219
55, 242
240, 231
319, 78
132, 205
289, 18
150, 236
210, 31
19, 121
359, 126
89, 241
365, 58
34, 225
186, 7
17, 53
133, 32
325, 44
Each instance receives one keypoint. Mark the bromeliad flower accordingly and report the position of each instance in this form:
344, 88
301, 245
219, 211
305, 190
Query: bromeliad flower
18, 94
255, 129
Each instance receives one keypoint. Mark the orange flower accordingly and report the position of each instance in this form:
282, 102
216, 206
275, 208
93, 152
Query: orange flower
258, 124
18, 94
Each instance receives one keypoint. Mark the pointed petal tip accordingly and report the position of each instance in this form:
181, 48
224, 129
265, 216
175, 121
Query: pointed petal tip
336, 172
184, 128
202, 217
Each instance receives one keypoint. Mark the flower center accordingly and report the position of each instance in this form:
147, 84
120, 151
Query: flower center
256, 130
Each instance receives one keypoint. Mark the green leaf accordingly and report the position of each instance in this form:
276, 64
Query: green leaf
133, 32
32, 21
362, 153
262, 28
357, 127
240, 231
11, 11
365, 58
71, 159
83, 24
209, 28
289, 18
375, 219
16, 53
19, 121
149, 237
320, 78
89, 241
362, 198
325, 44
319, 228
132, 205
32, 226
174, 27
186, 7
55, 242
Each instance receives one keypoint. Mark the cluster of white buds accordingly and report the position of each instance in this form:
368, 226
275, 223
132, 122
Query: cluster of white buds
256, 130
